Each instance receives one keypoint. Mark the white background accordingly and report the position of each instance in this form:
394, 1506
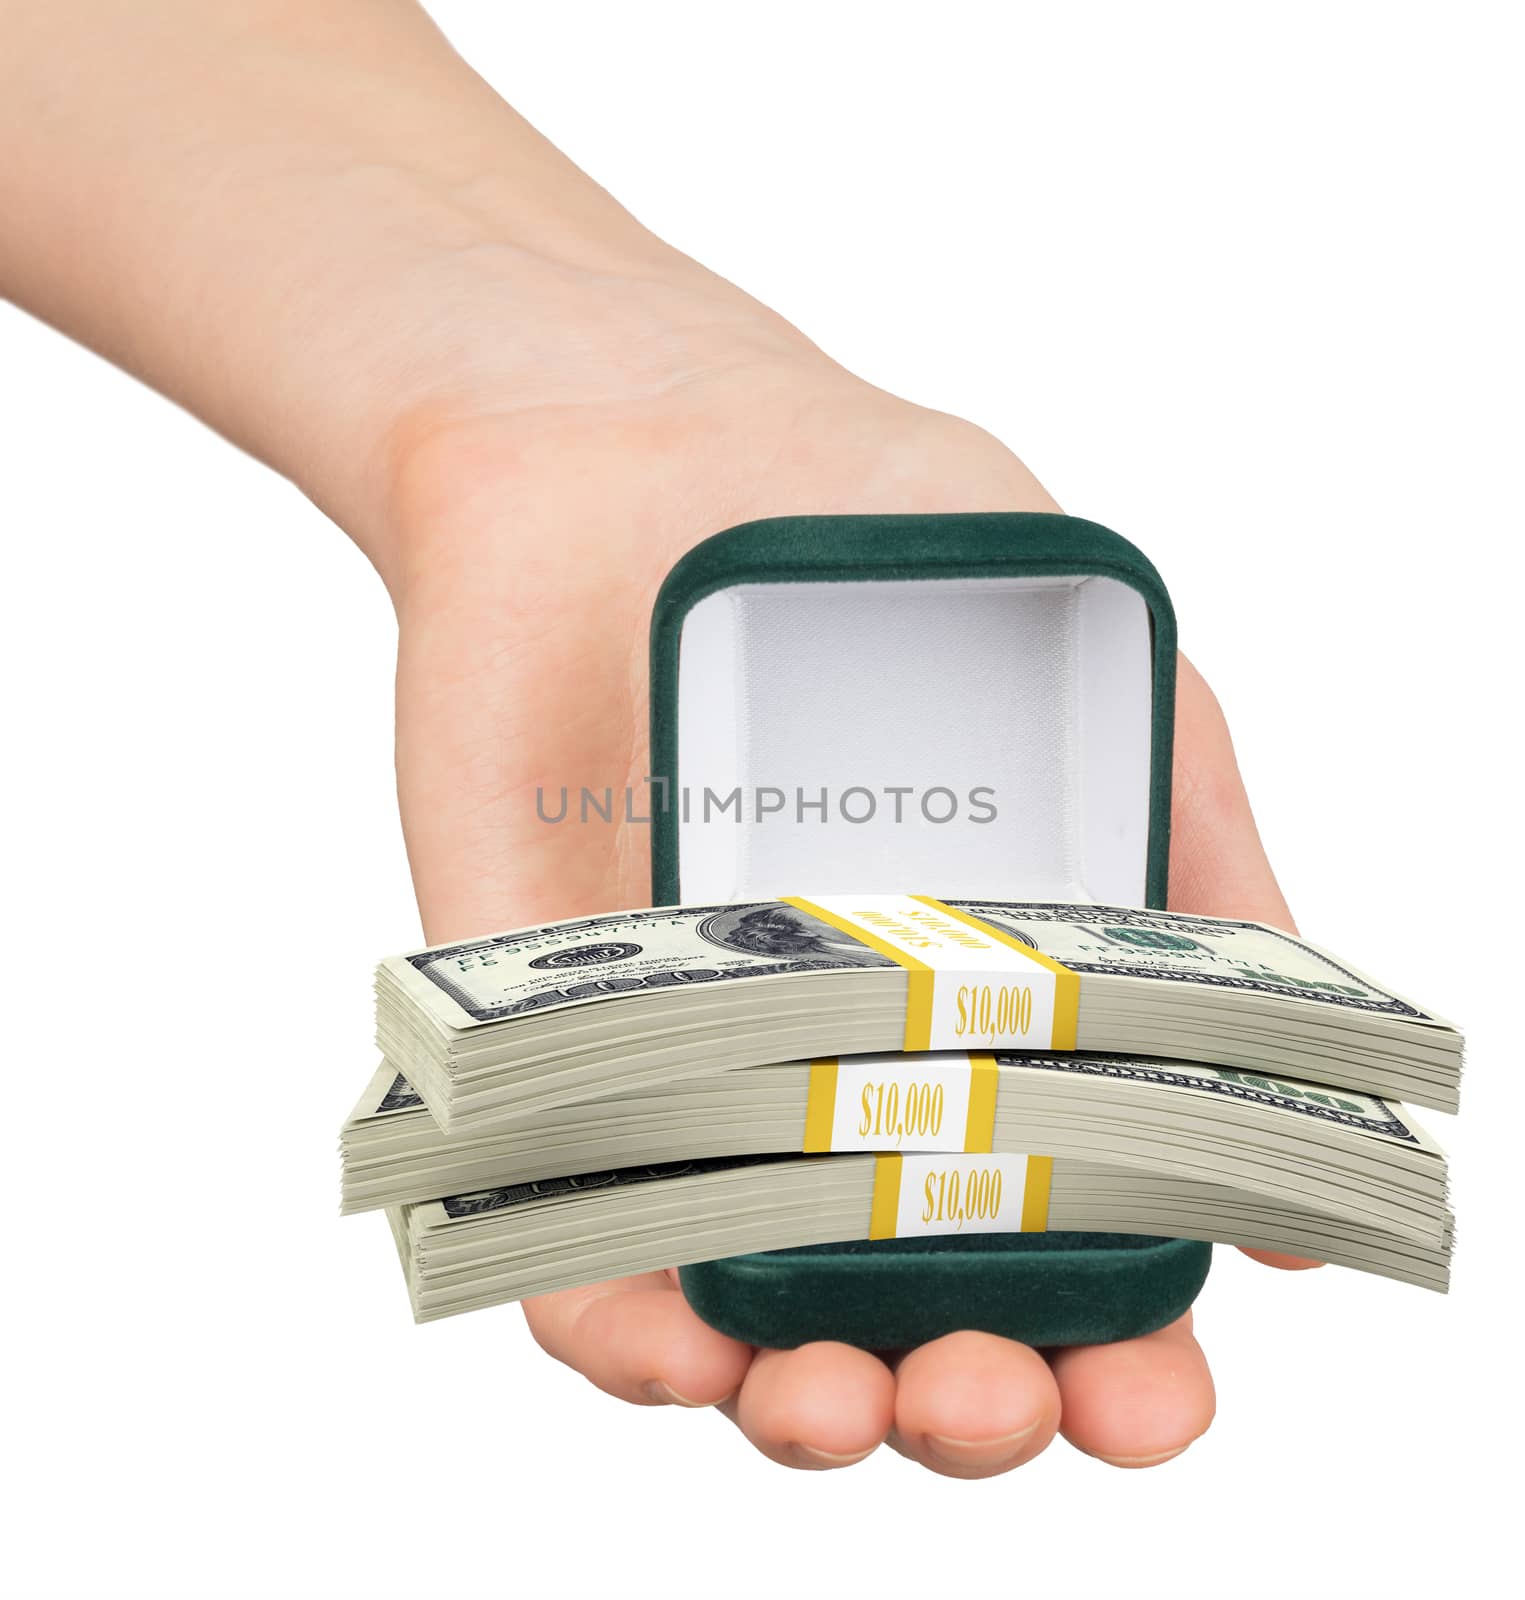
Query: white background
1239, 281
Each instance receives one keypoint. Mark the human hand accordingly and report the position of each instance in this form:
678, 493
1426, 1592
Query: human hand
316, 228
530, 548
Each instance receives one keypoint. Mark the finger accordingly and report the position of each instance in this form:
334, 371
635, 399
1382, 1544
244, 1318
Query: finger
1218, 865
971, 1405
1136, 1403
818, 1407
1284, 1263
637, 1338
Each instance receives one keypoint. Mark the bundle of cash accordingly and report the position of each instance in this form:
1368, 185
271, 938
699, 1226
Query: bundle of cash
493, 1030
480, 1249
1280, 1138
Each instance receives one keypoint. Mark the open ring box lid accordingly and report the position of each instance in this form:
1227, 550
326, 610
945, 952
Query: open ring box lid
970, 705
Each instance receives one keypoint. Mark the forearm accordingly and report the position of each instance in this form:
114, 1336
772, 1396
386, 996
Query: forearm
290, 217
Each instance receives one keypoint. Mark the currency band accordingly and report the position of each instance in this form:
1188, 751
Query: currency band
897, 1102
970, 984
918, 1195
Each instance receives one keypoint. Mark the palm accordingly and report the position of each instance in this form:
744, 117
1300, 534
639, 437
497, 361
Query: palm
538, 541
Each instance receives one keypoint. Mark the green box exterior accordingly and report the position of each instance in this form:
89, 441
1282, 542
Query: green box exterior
1049, 1289
1042, 1289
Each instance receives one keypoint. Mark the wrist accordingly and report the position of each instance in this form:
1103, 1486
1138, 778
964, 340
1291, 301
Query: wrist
317, 229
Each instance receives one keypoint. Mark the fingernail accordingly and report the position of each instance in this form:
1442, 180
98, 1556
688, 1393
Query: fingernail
662, 1395
978, 1452
811, 1457
1142, 1461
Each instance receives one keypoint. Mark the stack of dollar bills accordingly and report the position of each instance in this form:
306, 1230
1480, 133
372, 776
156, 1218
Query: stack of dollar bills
608, 1095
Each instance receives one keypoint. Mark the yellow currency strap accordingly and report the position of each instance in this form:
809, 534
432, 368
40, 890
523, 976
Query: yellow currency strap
918, 1004
984, 1083
1040, 1178
886, 1206
889, 1173
1066, 983
921, 977
820, 1105
979, 1121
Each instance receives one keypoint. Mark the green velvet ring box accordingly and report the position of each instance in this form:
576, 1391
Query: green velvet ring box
957, 705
